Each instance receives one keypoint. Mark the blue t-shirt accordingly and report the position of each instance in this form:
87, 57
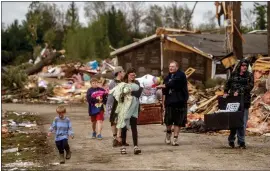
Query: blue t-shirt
62, 128
92, 108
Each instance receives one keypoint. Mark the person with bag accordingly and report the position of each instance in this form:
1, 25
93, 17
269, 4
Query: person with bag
241, 82
112, 104
175, 92
133, 111
96, 98
127, 94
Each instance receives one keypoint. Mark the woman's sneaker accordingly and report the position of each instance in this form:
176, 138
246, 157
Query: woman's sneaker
137, 150
123, 150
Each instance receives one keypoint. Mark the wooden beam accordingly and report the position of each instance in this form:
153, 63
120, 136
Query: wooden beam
189, 72
240, 34
161, 54
168, 45
237, 42
188, 47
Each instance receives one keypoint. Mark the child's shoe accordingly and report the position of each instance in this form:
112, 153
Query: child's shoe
94, 135
62, 159
99, 137
68, 155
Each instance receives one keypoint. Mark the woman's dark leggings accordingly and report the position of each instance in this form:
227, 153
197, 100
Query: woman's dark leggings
133, 124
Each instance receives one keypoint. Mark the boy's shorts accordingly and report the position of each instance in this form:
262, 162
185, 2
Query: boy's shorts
98, 117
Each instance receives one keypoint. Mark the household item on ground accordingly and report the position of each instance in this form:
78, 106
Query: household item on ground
150, 114
226, 120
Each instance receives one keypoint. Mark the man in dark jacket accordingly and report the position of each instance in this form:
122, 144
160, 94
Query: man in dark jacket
175, 91
241, 82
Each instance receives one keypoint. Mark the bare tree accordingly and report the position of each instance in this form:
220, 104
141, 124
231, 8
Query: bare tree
153, 19
94, 9
177, 16
188, 26
248, 18
60, 17
135, 16
210, 21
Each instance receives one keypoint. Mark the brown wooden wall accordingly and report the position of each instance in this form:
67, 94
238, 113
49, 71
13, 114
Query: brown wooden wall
200, 63
146, 60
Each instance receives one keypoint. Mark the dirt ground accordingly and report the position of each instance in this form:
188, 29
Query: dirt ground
196, 151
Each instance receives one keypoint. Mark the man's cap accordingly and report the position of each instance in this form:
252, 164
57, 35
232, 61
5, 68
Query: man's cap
118, 69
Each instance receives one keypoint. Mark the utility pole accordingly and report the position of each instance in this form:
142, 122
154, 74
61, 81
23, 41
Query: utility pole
237, 35
233, 35
232, 19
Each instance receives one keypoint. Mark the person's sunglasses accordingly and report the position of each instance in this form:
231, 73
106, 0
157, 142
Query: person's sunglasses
244, 65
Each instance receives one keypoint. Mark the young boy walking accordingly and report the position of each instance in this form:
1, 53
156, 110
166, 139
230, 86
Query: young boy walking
96, 98
63, 130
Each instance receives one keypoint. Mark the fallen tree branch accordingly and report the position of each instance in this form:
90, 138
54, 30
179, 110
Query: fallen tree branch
47, 61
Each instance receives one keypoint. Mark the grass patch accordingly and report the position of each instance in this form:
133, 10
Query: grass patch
36, 140
32, 147
23, 118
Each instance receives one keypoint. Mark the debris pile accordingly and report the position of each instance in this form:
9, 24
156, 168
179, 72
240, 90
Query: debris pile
66, 83
16, 122
259, 113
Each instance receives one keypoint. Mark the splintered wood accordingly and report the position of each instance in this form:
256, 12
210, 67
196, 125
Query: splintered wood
262, 64
189, 72
259, 117
160, 31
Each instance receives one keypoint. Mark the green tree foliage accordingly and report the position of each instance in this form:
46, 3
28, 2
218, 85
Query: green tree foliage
260, 11
14, 42
79, 44
117, 28
108, 25
72, 17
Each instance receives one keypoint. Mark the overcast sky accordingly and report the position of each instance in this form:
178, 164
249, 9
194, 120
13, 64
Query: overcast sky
17, 10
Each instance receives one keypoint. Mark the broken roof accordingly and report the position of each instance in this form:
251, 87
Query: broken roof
135, 44
213, 44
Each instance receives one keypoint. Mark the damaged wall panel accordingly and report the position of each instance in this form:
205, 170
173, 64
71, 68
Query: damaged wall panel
145, 59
